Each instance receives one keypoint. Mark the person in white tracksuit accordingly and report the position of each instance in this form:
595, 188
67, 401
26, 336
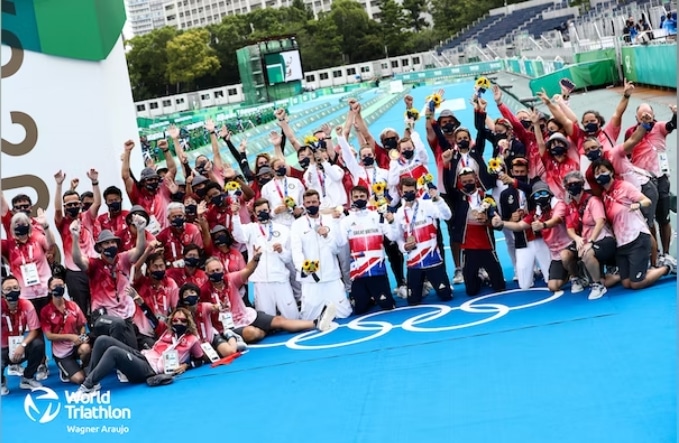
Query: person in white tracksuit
271, 278
313, 238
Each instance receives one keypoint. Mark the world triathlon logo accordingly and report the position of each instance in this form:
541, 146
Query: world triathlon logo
42, 405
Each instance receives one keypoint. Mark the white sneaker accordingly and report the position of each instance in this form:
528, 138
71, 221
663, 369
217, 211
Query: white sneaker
29, 383
240, 343
598, 291
324, 321
426, 288
669, 261
122, 378
17, 370
458, 277
85, 392
4, 390
483, 275
402, 292
42, 373
576, 286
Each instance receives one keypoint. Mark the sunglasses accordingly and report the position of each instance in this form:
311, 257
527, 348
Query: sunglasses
541, 194
180, 320
21, 207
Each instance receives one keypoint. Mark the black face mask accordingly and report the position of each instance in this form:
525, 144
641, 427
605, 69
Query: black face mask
201, 192
152, 186
222, 239
469, 188
312, 210
463, 145
58, 291
557, 150
574, 189
73, 212
13, 296
216, 277
263, 216
591, 127
178, 197
218, 200
86, 206
305, 162
594, 154
191, 300
281, 171
191, 262
191, 209
603, 179
408, 153
409, 196
179, 329
114, 207
543, 201
526, 124
390, 143
368, 161
158, 275
20, 230
263, 180
360, 203
448, 128
110, 252
178, 222
499, 137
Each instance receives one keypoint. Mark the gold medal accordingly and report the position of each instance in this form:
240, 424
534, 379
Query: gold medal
394, 154
411, 239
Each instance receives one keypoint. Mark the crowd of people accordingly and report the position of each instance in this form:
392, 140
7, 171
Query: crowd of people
161, 288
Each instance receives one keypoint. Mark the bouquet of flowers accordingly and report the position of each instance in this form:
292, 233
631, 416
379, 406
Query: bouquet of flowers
436, 99
488, 205
412, 114
290, 203
378, 188
314, 142
310, 267
425, 180
495, 165
233, 189
482, 85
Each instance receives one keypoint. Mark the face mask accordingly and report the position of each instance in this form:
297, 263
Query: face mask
360, 203
281, 171
368, 161
448, 128
13, 296
177, 197
110, 252
543, 201
178, 222
521, 178
114, 206
463, 145
409, 196
557, 150
179, 329
191, 300
526, 124
216, 277
591, 127
158, 275
594, 155
263, 216
221, 240
20, 230
191, 209
499, 137
263, 180
86, 206
408, 153
312, 210
152, 186
603, 179
390, 143
550, 132
191, 262
305, 162
217, 200
574, 189
73, 212
201, 192
469, 187
58, 291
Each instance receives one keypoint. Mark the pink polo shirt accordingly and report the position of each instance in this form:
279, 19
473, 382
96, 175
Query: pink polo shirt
627, 225
22, 256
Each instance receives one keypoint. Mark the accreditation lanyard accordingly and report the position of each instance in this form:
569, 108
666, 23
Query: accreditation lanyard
411, 223
261, 229
283, 194
10, 323
321, 179
320, 221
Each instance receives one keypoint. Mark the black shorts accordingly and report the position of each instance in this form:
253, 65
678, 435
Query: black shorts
557, 271
262, 321
604, 250
69, 365
650, 190
662, 211
632, 258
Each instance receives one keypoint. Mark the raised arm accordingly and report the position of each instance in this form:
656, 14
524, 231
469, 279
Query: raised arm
557, 113
361, 127
637, 135
78, 259
93, 175
214, 144
140, 223
125, 171
252, 264
539, 139
616, 118
282, 122
59, 177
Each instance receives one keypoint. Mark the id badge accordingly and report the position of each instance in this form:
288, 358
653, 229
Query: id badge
663, 162
171, 361
14, 342
210, 352
226, 319
29, 271
153, 226
178, 263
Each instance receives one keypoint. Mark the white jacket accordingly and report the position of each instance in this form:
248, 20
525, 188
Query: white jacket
272, 265
275, 192
328, 184
360, 174
307, 244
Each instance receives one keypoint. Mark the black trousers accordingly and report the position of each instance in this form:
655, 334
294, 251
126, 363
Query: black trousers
118, 328
109, 354
78, 284
34, 353
475, 259
437, 276
366, 288
396, 261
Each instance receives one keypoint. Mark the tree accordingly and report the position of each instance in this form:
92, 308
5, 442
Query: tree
147, 63
391, 25
190, 57
353, 23
413, 14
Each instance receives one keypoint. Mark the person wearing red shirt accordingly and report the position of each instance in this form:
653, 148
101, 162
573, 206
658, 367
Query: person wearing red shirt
190, 273
109, 279
18, 318
63, 323
128, 235
177, 235
180, 341
20, 203
555, 156
114, 220
219, 206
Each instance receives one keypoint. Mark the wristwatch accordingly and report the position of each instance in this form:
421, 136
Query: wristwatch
23, 345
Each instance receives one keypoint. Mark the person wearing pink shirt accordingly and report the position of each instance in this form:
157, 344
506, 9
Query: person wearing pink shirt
593, 240
128, 235
623, 203
68, 208
175, 352
20, 203
20, 326
178, 234
109, 279
63, 323
190, 273
114, 219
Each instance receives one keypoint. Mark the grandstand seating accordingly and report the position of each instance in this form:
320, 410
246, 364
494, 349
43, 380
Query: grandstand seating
540, 26
471, 33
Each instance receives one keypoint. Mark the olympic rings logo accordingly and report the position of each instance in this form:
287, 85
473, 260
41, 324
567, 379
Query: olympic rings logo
377, 324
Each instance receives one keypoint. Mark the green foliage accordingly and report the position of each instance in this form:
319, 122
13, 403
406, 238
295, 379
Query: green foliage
190, 57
